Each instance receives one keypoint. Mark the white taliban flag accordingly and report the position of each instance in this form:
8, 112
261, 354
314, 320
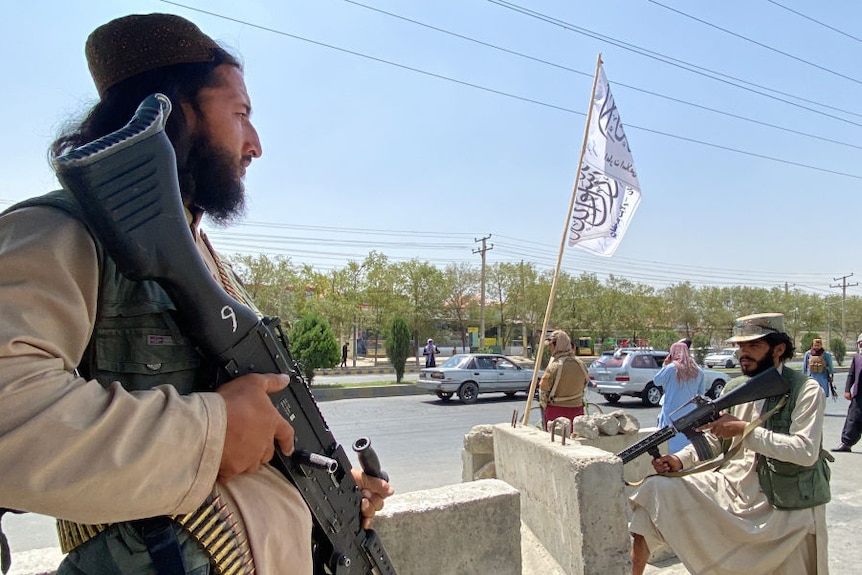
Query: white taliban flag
608, 192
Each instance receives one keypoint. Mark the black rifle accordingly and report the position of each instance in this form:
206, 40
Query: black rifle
768, 383
126, 184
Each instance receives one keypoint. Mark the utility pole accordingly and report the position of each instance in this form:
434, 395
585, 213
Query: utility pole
482, 251
843, 285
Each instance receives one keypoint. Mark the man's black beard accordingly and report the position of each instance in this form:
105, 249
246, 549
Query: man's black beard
762, 365
212, 180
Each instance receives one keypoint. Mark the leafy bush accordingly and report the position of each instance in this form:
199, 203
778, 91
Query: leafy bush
838, 349
398, 346
313, 344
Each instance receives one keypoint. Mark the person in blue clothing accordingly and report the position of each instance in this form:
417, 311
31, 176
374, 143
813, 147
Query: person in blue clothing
817, 364
681, 380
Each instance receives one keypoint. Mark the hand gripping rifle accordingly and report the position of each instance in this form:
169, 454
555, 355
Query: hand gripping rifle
126, 183
768, 383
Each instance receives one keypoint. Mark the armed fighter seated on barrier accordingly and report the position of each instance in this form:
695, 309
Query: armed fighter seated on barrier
763, 510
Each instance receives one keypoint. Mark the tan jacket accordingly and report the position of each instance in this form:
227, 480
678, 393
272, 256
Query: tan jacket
72, 449
570, 383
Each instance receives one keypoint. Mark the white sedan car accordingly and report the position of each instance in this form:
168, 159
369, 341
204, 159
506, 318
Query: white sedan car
722, 358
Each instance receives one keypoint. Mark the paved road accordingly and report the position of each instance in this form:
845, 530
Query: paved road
419, 440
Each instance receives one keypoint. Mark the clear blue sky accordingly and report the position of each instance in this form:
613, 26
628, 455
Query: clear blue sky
360, 154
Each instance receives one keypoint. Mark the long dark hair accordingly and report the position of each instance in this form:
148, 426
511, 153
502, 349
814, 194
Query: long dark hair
774, 339
180, 83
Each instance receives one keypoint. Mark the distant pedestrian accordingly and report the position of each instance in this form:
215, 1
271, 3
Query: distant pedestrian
344, 355
686, 341
681, 380
429, 352
817, 364
852, 431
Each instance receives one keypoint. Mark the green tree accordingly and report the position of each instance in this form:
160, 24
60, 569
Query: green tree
838, 349
681, 307
314, 344
500, 282
422, 286
380, 296
461, 286
398, 346
663, 338
271, 282
715, 314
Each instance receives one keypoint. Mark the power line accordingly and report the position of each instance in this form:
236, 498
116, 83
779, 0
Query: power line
590, 75
514, 249
756, 43
346, 246
842, 32
522, 98
682, 64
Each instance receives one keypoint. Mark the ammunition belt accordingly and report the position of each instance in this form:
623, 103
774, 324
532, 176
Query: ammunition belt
213, 526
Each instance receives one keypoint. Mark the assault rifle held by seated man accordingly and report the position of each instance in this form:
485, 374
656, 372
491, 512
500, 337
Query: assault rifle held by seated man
768, 383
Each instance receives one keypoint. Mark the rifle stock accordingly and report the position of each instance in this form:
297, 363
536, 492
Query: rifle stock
768, 383
127, 186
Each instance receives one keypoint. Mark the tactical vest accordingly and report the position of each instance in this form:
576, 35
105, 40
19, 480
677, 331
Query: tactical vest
816, 363
135, 339
137, 342
555, 397
787, 485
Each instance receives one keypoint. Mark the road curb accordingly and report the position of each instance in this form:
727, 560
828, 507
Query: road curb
331, 393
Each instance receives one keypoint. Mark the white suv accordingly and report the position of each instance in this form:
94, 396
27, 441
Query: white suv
630, 371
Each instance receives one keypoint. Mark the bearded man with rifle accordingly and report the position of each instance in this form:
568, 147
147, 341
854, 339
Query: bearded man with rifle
147, 438
762, 511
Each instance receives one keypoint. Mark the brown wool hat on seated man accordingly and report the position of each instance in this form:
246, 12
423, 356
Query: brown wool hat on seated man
751, 327
134, 44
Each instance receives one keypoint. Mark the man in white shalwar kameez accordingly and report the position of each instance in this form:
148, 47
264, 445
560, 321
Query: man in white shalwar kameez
741, 519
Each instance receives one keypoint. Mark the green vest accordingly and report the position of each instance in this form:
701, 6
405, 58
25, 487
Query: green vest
135, 339
787, 485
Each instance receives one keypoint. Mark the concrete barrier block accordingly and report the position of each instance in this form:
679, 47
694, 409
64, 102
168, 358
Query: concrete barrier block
462, 529
572, 499
480, 439
472, 463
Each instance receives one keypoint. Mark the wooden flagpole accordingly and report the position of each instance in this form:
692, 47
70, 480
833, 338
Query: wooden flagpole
550, 308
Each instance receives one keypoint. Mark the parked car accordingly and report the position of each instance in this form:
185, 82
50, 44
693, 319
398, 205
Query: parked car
722, 358
469, 374
630, 371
